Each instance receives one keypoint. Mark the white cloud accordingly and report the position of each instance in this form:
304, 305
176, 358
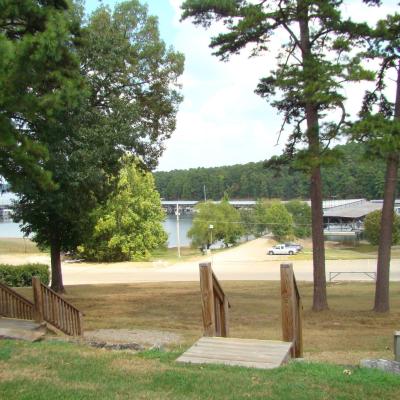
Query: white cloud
222, 121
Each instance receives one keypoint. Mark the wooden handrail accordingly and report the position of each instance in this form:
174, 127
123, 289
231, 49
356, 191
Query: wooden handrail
55, 310
14, 305
215, 303
292, 310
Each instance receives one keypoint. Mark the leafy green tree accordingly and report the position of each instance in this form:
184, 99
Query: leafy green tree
379, 128
39, 78
130, 107
305, 87
249, 222
373, 227
260, 216
229, 228
301, 214
129, 225
279, 221
225, 221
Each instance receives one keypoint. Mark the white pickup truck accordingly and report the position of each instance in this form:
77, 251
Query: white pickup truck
283, 249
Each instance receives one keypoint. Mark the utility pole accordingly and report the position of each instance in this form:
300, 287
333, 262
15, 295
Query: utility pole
177, 230
204, 191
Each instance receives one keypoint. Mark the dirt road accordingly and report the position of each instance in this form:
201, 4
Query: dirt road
248, 261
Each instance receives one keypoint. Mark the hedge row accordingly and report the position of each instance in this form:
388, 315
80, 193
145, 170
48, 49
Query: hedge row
21, 275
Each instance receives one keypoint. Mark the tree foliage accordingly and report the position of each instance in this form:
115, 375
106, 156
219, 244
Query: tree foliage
39, 79
129, 225
130, 107
301, 214
356, 175
372, 225
225, 222
279, 221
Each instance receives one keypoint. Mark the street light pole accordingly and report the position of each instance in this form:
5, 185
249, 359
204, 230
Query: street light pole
211, 227
177, 230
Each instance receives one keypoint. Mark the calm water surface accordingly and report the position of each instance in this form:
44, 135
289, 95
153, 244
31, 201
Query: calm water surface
11, 229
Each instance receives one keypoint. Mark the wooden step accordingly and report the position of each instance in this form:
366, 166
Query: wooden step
250, 353
21, 329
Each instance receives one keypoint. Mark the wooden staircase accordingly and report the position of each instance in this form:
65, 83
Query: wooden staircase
48, 309
216, 348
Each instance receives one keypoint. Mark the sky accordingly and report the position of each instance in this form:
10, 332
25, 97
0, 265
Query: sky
221, 121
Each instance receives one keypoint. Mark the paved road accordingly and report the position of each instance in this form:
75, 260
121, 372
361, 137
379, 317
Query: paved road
228, 270
246, 262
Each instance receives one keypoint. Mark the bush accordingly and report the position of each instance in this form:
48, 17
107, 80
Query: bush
21, 275
372, 225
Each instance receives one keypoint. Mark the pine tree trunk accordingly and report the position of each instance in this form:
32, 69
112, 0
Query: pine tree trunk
311, 112
320, 301
56, 273
385, 237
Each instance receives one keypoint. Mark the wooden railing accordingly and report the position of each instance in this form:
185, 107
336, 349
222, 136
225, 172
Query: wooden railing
14, 305
292, 311
55, 310
215, 304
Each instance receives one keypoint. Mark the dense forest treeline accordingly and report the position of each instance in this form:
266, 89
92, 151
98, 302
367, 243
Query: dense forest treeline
353, 176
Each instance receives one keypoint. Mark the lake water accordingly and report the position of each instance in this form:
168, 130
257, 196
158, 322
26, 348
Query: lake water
11, 229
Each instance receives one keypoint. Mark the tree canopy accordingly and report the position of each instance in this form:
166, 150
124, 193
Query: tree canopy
215, 222
129, 225
356, 175
131, 100
372, 224
39, 78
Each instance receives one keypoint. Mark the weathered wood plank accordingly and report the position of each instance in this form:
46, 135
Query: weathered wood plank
241, 352
207, 299
246, 364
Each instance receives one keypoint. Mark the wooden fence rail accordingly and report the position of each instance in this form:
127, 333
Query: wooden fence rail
48, 306
55, 310
14, 305
292, 310
215, 304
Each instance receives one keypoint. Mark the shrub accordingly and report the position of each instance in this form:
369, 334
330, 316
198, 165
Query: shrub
372, 224
21, 275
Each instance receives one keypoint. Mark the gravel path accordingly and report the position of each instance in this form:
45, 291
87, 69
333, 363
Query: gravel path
144, 338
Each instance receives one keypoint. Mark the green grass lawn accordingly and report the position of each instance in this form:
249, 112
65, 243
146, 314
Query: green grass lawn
55, 370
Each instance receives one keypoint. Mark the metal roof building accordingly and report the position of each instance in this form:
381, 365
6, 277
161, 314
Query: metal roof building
356, 210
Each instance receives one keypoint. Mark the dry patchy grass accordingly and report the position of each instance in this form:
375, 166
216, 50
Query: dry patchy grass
345, 333
17, 246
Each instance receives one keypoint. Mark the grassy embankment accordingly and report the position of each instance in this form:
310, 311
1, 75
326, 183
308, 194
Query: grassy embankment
66, 371
17, 246
346, 333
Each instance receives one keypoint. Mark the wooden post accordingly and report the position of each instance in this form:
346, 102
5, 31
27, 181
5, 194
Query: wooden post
207, 299
288, 305
397, 346
225, 317
37, 299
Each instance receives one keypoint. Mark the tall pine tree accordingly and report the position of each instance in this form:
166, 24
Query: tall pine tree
305, 85
39, 77
379, 128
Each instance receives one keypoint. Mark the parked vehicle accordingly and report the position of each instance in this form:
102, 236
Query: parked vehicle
299, 247
282, 249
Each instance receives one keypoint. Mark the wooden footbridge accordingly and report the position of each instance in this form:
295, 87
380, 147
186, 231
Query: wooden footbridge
217, 348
